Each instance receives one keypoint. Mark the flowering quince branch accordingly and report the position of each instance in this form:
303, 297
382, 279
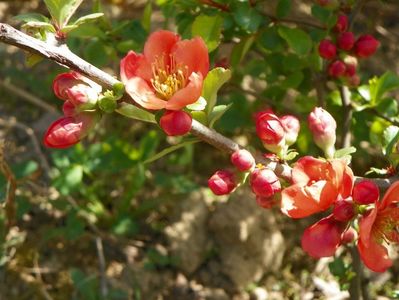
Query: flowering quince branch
176, 69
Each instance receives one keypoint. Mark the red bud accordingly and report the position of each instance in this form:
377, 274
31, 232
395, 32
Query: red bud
365, 192
344, 210
243, 160
346, 41
327, 49
342, 23
365, 46
222, 182
264, 182
175, 122
337, 69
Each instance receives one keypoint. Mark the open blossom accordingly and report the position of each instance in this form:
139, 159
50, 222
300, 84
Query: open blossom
323, 238
78, 90
316, 185
68, 131
378, 226
169, 74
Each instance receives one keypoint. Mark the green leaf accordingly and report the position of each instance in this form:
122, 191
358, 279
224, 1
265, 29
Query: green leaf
199, 105
247, 17
283, 8
390, 138
386, 83
62, 10
388, 107
87, 18
217, 112
40, 25
200, 116
240, 50
212, 83
170, 150
297, 39
321, 13
344, 152
337, 267
133, 112
293, 80
209, 28
107, 104
32, 17
146, 18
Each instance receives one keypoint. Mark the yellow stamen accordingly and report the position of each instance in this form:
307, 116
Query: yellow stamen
168, 79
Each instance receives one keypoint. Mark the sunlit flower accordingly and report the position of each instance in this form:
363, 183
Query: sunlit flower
380, 225
169, 74
316, 184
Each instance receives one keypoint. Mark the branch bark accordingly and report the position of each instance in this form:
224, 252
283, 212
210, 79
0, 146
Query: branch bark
63, 56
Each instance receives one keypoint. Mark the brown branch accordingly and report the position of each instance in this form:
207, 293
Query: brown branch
65, 57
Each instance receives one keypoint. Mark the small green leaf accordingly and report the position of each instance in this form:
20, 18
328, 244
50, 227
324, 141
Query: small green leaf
247, 17
217, 112
212, 83
200, 116
283, 8
32, 17
62, 10
87, 18
209, 28
344, 152
297, 39
146, 18
118, 89
133, 112
40, 25
337, 267
386, 83
240, 50
388, 107
380, 172
390, 138
170, 150
199, 105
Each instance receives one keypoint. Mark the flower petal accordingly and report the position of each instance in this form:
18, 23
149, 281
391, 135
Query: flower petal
193, 54
142, 94
391, 196
160, 43
308, 168
295, 203
365, 227
375, 256
322, 238
187, 95
135, 65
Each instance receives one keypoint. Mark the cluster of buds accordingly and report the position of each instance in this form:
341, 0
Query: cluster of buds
264, 182
343, 50
80, 96
277, 133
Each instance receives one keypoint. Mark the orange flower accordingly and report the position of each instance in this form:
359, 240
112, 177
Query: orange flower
379, 225
169, 74
316, 186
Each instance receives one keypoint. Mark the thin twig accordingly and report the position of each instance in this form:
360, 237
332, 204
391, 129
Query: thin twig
347, 108
102, 267
355, 283
9, 204
12, 122
28, 97
39, 278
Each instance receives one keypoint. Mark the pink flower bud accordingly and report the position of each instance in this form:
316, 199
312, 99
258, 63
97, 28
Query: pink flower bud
243, 160
344, 210
323, 126
337, 69
291, 126
365, 46
264, 183
322, 238
69, 109
269, 128
327, 49
222, 182
365, 192
77, 89
266, 202
349, 236
176, 122
342, 24
68, 131
346, 41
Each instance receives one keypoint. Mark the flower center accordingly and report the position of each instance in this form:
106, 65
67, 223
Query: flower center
168, 78
386, 226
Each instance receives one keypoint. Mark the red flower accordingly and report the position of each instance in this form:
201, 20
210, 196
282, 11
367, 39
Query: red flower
323, 238
68, 131
316, 186
379, 225
269, 128
169, 74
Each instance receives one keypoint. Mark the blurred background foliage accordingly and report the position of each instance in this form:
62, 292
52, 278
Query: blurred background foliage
100, 203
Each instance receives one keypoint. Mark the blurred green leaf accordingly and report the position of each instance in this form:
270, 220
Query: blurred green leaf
32, 17
379, 86
133, 112
170, 150
146, 18
217, 112
297, 39
246, 16
209, 28
240, 50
